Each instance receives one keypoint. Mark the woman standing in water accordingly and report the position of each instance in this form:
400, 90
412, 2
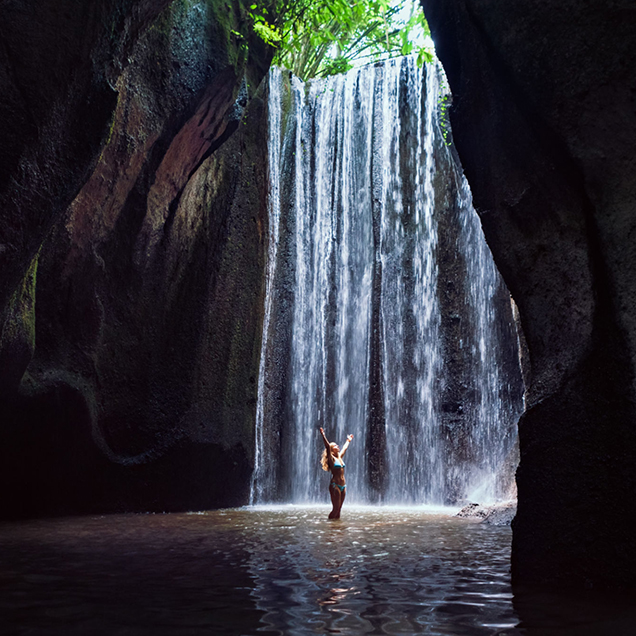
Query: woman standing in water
332, 460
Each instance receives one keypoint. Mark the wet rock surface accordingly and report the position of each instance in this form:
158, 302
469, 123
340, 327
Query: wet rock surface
58, 66
499, 514
131, 356
543, 121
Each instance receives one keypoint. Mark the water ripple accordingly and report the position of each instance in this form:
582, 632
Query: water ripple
278, 571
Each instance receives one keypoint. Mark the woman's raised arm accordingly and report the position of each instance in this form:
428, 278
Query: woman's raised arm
346, 445
325, 440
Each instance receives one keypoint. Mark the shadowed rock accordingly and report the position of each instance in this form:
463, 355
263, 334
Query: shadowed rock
141, 332
543, 120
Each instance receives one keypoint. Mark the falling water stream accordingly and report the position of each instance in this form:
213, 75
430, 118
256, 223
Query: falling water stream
362, 189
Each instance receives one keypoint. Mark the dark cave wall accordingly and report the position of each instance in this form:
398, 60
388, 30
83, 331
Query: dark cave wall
58, 64
131, 325
544, 122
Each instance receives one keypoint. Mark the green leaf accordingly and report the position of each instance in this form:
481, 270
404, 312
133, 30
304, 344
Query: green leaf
267, 32
323, 37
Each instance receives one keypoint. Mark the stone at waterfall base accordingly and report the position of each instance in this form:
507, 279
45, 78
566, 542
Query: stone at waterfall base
499, 514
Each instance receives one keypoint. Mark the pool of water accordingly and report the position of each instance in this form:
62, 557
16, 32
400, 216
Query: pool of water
276, 570
380, 571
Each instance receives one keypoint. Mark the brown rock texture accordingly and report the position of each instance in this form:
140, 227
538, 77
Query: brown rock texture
136, 300
58, 64
544, 123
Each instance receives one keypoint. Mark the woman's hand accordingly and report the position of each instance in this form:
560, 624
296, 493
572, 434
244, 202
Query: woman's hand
346, 445
324, 438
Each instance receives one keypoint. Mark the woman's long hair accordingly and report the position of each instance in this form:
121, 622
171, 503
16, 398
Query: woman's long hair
324, 459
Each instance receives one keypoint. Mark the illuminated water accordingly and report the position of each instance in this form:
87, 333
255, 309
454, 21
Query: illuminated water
364, 200
273, 571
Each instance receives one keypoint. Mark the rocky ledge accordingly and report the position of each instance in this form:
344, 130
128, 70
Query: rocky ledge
499, 514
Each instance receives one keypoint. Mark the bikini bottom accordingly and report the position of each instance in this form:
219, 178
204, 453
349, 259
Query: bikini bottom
341, 488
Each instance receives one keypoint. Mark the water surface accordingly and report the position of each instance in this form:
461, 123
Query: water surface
380, 571
277, 570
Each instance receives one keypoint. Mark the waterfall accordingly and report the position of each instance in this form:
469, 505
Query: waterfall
385, 316
263, 478
410, 311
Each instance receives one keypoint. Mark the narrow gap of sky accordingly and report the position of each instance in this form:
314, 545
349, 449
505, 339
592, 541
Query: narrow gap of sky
416, 36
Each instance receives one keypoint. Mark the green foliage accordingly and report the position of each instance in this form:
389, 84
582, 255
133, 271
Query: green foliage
444, 120
336, 65
20, 319
266, 31
315, 38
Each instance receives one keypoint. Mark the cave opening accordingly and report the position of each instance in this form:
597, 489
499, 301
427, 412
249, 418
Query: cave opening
134, 249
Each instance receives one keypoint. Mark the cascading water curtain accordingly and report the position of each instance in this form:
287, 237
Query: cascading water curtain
264, 477
334, 252
410, 310
491, 441
356, 213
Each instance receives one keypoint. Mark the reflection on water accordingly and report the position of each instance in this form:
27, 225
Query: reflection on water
380, 571
284, 570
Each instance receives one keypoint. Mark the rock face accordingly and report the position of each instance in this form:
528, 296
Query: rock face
543, 120
131, 319
58, 65
499, 514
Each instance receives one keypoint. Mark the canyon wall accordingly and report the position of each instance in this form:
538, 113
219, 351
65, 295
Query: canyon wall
132, 252
544, 123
